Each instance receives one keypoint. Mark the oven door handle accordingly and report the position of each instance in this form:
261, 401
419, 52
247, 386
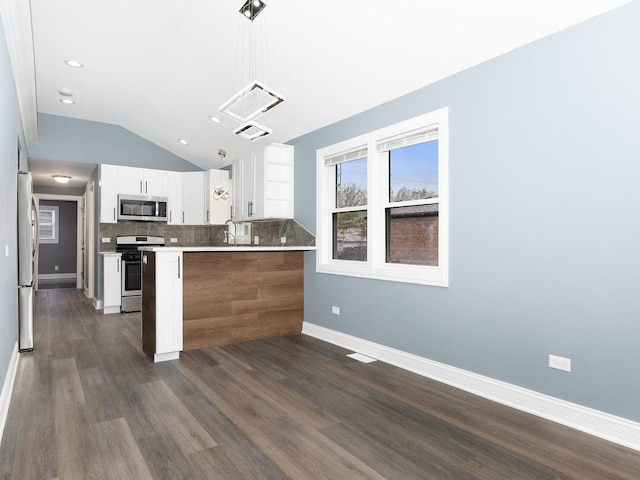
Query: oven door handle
178, 266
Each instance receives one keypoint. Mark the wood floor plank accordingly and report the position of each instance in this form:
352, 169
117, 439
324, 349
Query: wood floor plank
73, 460
187, 432
116, 452
67, 387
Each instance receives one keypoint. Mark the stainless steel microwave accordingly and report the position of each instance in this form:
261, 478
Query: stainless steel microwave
142, 208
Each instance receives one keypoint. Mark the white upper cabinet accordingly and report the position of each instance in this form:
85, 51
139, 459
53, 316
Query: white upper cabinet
142, 181
193, 198
108, 193
263, 184
218, 191
174, 207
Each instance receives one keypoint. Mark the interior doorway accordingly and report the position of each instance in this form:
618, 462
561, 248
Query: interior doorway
43, 280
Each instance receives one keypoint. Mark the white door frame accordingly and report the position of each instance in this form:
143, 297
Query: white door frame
79, 232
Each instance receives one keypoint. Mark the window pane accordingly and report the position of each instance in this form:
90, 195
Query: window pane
351, 183
412, 235
350, 236
413, 172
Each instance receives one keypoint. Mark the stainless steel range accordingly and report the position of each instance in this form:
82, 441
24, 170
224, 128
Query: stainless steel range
132, 268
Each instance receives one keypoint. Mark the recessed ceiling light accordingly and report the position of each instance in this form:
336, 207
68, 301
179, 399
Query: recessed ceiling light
65, 92
183, 141
67, 101
74, 63
61, 178
214, 119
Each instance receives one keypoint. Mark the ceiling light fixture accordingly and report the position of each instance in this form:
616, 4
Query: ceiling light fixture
251, 102
252, 131
65, 92
61, 178
254, 99
74, 63
252, 8
183, 141
214, 119
67, 101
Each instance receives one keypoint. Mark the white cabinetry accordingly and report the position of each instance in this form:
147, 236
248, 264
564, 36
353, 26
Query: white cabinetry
108, 194
112, 282
174, 207
141, 181
263, 184
193, 198
168, 305
218, 196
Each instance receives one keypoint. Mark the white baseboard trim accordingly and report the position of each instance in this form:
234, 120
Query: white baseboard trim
594, 422
57, 276
7, 389
97, 304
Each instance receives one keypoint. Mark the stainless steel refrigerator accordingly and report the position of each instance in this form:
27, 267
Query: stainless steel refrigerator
27, 256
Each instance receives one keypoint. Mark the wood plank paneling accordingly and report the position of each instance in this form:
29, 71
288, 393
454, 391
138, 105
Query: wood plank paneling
238, 296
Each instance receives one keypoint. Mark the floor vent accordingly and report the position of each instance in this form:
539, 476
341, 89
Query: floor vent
361, 358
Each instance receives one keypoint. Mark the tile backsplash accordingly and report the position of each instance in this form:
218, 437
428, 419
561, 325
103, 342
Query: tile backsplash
269, 232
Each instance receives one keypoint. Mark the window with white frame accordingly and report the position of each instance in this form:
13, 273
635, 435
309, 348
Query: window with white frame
48, 223
383, 203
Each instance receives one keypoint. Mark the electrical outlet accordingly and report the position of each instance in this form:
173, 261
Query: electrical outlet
335, 310
283, 240
55, 268
256, 240
106, 240
173, 240
560, 363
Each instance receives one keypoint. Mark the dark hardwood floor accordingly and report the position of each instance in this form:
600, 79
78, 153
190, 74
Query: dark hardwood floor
88, 404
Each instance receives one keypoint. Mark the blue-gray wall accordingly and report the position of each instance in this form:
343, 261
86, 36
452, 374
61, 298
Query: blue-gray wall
9, 127
545, 230
82, 141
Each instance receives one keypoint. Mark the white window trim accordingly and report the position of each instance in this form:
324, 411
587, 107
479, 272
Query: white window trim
55, 225
376, 267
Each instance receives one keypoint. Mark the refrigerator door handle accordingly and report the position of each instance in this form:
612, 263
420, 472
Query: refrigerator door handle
36, 225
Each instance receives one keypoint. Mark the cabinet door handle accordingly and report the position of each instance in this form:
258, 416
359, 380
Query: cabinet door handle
182, 217
207, 216
118, 265
114, 214
250, 209
141, 187
146, 187
178, 267
170, 211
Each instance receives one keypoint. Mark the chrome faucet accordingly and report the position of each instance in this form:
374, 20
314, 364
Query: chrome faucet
227, 232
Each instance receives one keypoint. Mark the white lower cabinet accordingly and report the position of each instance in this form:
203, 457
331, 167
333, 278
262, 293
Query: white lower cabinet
168, 305
112, 275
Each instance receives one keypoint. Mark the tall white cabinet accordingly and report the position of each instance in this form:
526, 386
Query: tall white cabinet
263, 184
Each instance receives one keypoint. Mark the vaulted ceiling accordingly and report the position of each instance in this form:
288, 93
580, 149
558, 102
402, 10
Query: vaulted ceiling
161, 68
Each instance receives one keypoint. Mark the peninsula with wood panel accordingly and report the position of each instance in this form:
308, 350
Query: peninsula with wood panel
194, 297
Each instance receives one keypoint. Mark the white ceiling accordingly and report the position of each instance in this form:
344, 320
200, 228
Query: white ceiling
159, 68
